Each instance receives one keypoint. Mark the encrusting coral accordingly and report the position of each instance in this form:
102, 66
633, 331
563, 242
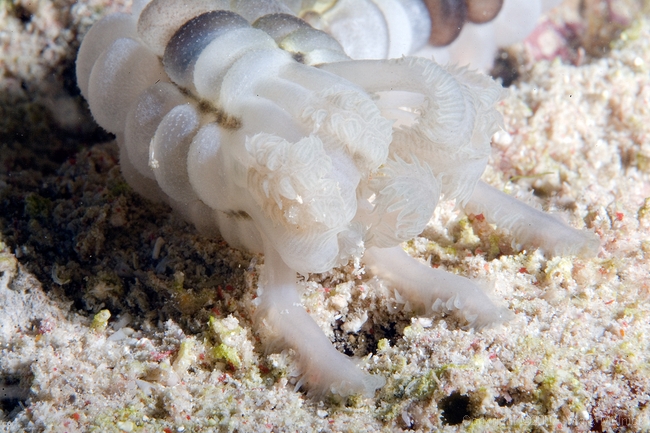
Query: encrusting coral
252, 123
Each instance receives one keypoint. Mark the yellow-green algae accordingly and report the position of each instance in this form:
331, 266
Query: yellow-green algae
100, 321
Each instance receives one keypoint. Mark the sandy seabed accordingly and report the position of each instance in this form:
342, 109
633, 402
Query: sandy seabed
115, 315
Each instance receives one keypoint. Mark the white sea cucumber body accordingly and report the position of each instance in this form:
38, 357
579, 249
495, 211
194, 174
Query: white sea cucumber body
250, 122
295, 145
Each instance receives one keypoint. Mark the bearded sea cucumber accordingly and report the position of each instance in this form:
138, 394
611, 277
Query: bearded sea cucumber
252, 123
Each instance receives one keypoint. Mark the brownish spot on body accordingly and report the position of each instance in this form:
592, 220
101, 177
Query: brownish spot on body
449, 16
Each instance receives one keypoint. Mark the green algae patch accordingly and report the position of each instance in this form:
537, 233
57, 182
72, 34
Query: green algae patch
383, 345
231, 344
100, 321
228, 354
37, 206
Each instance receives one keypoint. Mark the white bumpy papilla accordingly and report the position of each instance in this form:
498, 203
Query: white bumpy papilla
248, 121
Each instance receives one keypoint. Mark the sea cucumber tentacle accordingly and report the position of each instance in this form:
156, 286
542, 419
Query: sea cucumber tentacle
288, 181
406, 194
446, 115
450, 123
430, 290
530, 226
323, 369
